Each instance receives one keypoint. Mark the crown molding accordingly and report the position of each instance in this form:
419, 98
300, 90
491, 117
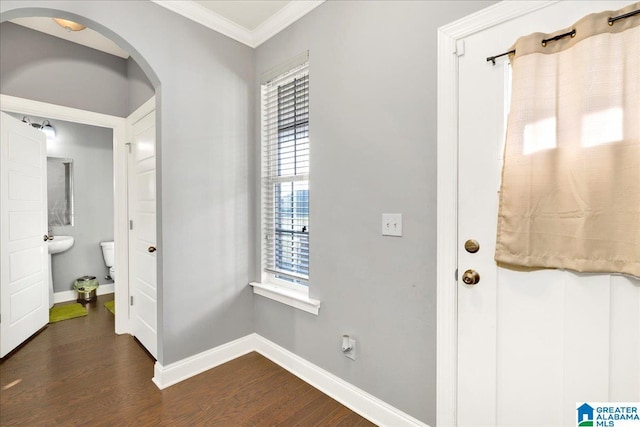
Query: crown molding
200, 14
276, 23
282, 19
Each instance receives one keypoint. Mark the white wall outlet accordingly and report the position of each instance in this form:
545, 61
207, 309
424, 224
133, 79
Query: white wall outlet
351, 352
392, 224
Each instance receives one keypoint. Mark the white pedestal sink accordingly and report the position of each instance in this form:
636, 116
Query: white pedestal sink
56, 245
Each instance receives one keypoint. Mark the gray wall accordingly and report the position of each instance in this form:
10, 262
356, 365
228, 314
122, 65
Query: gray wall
38, 66
140, 88
373, 130
373, 135
91, 149
205, 97
45, 68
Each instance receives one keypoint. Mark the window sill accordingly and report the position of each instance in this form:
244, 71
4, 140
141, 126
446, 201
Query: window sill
287, 296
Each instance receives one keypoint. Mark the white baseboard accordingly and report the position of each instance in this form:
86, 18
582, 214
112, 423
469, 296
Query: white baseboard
359, 401
165, 376
72, 295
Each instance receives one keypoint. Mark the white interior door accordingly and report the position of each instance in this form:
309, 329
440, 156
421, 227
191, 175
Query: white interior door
530, 344
142, 237
24, 295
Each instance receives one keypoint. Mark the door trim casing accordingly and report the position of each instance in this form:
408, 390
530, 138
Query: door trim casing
118, 124
449, 48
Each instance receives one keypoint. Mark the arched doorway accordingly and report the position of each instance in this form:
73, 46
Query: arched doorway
119, 126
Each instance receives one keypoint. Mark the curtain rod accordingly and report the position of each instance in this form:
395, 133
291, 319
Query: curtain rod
571, 33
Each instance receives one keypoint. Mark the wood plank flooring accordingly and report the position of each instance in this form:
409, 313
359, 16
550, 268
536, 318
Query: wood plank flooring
78, 373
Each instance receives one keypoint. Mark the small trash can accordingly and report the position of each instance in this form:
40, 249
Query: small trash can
86, 287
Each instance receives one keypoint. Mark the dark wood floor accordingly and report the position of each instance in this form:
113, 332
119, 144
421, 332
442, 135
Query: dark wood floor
78, 373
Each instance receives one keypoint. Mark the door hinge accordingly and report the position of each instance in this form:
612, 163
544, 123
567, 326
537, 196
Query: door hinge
459, 48
456, 274
128, 144
131, 300
130, 224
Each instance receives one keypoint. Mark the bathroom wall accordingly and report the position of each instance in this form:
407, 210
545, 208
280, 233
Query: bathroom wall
91, 149
45, 68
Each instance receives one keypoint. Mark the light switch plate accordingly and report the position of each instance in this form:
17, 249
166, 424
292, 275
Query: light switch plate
392, 224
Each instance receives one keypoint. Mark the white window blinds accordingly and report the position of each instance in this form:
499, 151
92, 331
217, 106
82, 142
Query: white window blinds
285, 175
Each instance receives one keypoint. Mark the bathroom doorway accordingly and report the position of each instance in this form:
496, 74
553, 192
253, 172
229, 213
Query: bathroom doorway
130, 145
90, 82
12, 104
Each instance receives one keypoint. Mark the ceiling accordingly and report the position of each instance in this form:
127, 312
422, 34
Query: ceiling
251, 22
247, 21
247, 13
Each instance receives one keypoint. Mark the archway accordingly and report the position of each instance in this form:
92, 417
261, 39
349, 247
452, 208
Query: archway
121, 211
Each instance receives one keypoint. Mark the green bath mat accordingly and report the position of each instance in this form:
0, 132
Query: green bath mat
111, 306
65, 312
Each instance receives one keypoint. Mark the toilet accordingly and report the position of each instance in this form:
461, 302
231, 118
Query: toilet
108, 253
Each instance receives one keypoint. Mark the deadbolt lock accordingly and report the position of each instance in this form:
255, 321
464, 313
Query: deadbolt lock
472, 246
470, 277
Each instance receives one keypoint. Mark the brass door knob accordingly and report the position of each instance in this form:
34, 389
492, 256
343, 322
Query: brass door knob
45, 238
470, 277
151, 249
472, 246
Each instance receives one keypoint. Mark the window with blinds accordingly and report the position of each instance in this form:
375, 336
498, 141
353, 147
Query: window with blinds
285, 173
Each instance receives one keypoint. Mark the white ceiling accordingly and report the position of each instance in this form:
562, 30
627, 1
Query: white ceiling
247, 13
247, 21
251, 22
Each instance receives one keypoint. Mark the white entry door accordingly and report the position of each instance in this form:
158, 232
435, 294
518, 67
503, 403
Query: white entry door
142, 235
24, 294
531, 344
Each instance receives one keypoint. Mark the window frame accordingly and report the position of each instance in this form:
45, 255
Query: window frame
270, 180
293, 293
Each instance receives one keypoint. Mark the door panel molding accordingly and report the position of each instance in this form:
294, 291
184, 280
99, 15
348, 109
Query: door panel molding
23, 252
576, 306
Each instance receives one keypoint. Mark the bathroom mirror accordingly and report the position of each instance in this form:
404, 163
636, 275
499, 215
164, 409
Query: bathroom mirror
60, 191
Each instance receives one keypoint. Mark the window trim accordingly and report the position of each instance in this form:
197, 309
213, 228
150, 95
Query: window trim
293, 294
287, 295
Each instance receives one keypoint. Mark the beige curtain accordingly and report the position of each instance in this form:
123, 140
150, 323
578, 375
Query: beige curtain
570, 192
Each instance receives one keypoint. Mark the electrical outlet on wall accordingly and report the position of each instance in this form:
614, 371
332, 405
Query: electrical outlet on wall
351, 353
349, 347
392, 224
